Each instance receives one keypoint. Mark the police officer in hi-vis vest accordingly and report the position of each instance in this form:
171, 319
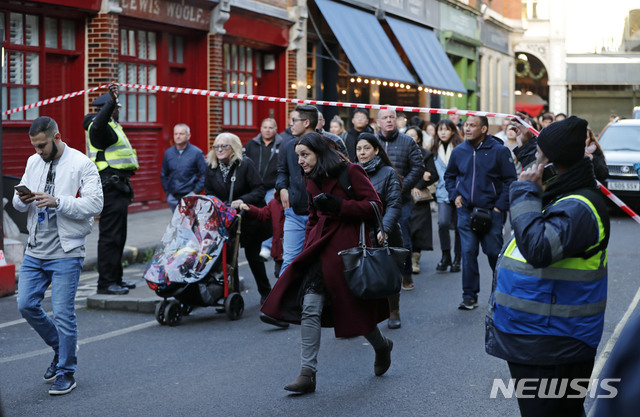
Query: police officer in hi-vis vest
550, 287
116, 160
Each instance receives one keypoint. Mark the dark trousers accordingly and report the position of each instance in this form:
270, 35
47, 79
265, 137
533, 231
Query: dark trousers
256, 264
552, 407
470, 241
112, 237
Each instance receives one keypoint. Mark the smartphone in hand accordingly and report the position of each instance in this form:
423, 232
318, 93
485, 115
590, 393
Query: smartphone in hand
22, 189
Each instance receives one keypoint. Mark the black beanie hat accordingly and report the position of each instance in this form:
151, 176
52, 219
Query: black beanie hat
564, 141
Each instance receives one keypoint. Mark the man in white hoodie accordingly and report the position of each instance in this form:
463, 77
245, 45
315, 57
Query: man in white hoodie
63, 195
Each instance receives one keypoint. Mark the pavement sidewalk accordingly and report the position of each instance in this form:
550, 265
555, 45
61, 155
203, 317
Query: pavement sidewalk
144, 234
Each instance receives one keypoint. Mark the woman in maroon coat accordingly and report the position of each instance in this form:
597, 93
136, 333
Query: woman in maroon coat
312, 291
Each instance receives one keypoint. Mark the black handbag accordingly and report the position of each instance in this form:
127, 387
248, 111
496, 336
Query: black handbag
481, 220
373, 273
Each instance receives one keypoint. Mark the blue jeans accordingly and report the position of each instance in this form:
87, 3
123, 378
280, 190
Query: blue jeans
293, 238
491, 245
268, 197
61, 333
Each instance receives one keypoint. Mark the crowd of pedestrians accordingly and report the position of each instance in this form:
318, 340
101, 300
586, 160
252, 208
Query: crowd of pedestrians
300, 213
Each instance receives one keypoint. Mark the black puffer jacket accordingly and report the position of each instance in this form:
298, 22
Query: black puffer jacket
387, 184
406, 157
265, 158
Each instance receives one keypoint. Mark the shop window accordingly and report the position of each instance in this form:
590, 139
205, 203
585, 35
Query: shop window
20, 75
176, 49
239, 75
59, 34
138, 65
20, 34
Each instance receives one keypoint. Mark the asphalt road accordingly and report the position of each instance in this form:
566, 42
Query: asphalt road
129, 365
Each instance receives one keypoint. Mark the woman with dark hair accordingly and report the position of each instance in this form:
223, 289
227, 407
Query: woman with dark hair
421, 233
594, 152
376, 163
313, 291
447, 138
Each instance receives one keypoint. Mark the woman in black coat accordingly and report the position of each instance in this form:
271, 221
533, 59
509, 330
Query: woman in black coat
235, 180
376, 163
421, 230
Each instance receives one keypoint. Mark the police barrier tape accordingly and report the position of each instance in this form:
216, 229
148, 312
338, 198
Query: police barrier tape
238, 96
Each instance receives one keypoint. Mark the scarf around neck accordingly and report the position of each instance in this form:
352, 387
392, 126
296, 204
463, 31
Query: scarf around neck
580, 175
371, 165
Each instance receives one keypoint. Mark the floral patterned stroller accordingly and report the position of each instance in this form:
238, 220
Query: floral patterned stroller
197, 264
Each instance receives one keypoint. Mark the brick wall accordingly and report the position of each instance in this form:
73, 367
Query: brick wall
292, 79
215, 84
103, 41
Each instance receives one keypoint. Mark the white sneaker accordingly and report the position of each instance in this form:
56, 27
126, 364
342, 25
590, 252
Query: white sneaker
265, 254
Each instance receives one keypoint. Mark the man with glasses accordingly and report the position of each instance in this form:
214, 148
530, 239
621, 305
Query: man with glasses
290, 184
62, 197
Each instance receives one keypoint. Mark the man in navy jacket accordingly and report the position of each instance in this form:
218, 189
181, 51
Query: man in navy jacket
479, 174
183, 167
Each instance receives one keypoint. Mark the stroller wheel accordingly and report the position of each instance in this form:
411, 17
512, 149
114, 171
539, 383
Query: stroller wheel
160, 317
186, 309
173, 313
234, 306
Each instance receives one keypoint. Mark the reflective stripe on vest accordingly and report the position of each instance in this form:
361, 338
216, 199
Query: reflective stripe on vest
567, 298
120, 155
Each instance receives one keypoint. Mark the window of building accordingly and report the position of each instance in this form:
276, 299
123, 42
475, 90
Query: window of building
138, 65
176, 49
20, 76
239, 75
23, 55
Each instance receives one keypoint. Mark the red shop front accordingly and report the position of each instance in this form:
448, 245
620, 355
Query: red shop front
44, 57
254, 61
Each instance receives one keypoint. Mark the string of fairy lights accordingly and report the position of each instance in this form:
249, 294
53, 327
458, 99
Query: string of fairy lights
360, 80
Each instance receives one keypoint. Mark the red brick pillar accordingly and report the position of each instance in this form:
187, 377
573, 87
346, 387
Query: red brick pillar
103, 41
292, 79
215, 84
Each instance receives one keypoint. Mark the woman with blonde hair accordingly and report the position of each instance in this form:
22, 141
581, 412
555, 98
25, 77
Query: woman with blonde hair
235, 180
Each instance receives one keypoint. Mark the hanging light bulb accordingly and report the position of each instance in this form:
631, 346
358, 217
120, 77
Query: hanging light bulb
384, 83
353, 80
359, 79
366, 81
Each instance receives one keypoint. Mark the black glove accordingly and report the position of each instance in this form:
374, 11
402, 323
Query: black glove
328, 203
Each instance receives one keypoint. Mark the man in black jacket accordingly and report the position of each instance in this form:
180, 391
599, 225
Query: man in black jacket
263, 151
290, 183
359, 124
406, 157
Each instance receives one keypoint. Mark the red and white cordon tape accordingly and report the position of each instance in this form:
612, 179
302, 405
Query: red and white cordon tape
53, 100
237, 96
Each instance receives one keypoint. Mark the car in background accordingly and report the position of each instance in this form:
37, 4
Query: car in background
636, 113
620, 142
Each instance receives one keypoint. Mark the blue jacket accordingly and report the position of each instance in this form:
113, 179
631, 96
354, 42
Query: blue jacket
481, 176
182, 174
550, 287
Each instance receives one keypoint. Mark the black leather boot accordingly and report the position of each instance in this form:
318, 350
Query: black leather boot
455, 266
445, 262
383, 359
304, 383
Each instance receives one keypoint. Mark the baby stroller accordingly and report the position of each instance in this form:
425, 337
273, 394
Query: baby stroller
197, 264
